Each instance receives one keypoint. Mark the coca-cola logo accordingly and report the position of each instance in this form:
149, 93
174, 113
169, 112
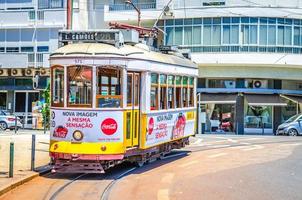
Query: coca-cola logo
60, 132
109, 126
150, 126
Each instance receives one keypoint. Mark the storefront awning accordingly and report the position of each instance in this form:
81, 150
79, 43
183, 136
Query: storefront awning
217, 98
297, 99
265, 100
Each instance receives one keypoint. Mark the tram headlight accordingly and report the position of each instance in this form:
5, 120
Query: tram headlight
78, 135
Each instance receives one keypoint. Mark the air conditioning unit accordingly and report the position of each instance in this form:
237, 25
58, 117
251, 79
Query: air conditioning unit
44, 72
3, 72
16, 72
229, 84
29, 72
260, 84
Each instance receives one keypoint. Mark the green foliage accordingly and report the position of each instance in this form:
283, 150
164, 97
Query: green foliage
46, 106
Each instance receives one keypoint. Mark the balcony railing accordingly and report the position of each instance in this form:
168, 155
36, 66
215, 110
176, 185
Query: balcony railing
124, 6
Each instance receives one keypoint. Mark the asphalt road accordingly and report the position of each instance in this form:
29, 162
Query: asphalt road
212, 167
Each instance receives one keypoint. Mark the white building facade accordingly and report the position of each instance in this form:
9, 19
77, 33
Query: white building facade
28, 34
248, 52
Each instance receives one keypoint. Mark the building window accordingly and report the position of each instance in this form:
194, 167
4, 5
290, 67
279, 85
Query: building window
221, 83
32, 15
27, 49
58, 86
79, 86
43, 48
12, 49
27, 35
12, 35
49, 4
109, 88
2, 49
42, 35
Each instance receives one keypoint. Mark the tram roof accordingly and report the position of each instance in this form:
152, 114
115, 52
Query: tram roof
138, 51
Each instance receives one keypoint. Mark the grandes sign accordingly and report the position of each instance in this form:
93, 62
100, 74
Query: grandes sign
96, 126
169, 126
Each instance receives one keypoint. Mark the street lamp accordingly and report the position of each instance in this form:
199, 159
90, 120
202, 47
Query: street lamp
137, 10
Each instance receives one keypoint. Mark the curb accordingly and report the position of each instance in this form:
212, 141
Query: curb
26, 179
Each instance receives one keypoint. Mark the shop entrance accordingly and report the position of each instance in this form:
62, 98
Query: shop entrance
220, 118
23, 106
3, 100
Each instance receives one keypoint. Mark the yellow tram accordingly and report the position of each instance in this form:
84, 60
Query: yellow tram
114, 100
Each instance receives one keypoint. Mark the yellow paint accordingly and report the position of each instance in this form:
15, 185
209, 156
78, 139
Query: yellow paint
190, 115
86, 147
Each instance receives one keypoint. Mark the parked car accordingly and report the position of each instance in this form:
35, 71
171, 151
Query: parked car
292, 126
8, 121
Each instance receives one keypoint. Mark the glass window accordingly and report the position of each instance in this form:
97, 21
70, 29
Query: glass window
235, 19
79, 86
272, 35
188, 35
197, 35
58, 86
179, 22
226, 34
129, 89
234, 34
178, 36
170, 35
216, 35
244, 20
253, 34
163, 79
109, 88
197, 21
296, 36
207, 21
288, 35
226, 20
43, 48
280, 35
263, 20
27, 35
43, 35
170, 97
169, 22
188, 21
12, 49
163, 97
207, 35
27, 49
191, 97
272, 20
245, 29
185, 96
13, 35
263, 35
136, 89
217, 20
258, 117
2, 35
154, 92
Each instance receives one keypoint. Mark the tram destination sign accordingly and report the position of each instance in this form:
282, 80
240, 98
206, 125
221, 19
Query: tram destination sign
106, 36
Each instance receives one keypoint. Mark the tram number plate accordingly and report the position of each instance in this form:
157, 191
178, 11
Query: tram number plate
78, 61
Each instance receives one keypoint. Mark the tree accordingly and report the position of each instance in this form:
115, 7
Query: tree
46, 107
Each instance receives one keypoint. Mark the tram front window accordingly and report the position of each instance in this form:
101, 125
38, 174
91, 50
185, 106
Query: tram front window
109, 88
79, 86
58, 86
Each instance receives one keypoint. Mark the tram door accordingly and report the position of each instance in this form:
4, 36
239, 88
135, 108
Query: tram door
132, 113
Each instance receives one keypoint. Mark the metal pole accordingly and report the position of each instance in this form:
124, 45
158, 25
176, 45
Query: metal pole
11, 160
16, 124
33, 150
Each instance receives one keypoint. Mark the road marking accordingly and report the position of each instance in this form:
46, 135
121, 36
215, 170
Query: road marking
167, 178
254, 147
245, 143
217, 155
220, 146
247, 139
292, 144
197, 141
188, 163
163, 194
233, 141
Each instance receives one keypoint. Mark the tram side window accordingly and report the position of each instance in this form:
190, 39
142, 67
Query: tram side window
58, 86
109, 88
163, 91
154, 92
79, 86
171, 95
178, 102
185, 91
191, 92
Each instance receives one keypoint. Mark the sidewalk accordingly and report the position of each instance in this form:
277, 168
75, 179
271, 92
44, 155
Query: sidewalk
22, 157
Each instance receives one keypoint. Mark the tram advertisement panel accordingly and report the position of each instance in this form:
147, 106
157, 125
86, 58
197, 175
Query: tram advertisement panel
96, 126
169, 126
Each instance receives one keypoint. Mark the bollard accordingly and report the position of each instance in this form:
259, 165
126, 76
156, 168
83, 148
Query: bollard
11, 160
33, 150
44, 124
16, 124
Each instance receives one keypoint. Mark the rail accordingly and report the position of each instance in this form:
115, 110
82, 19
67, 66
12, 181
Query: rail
124, 6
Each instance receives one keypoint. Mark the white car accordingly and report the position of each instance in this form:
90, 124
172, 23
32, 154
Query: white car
8, 121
